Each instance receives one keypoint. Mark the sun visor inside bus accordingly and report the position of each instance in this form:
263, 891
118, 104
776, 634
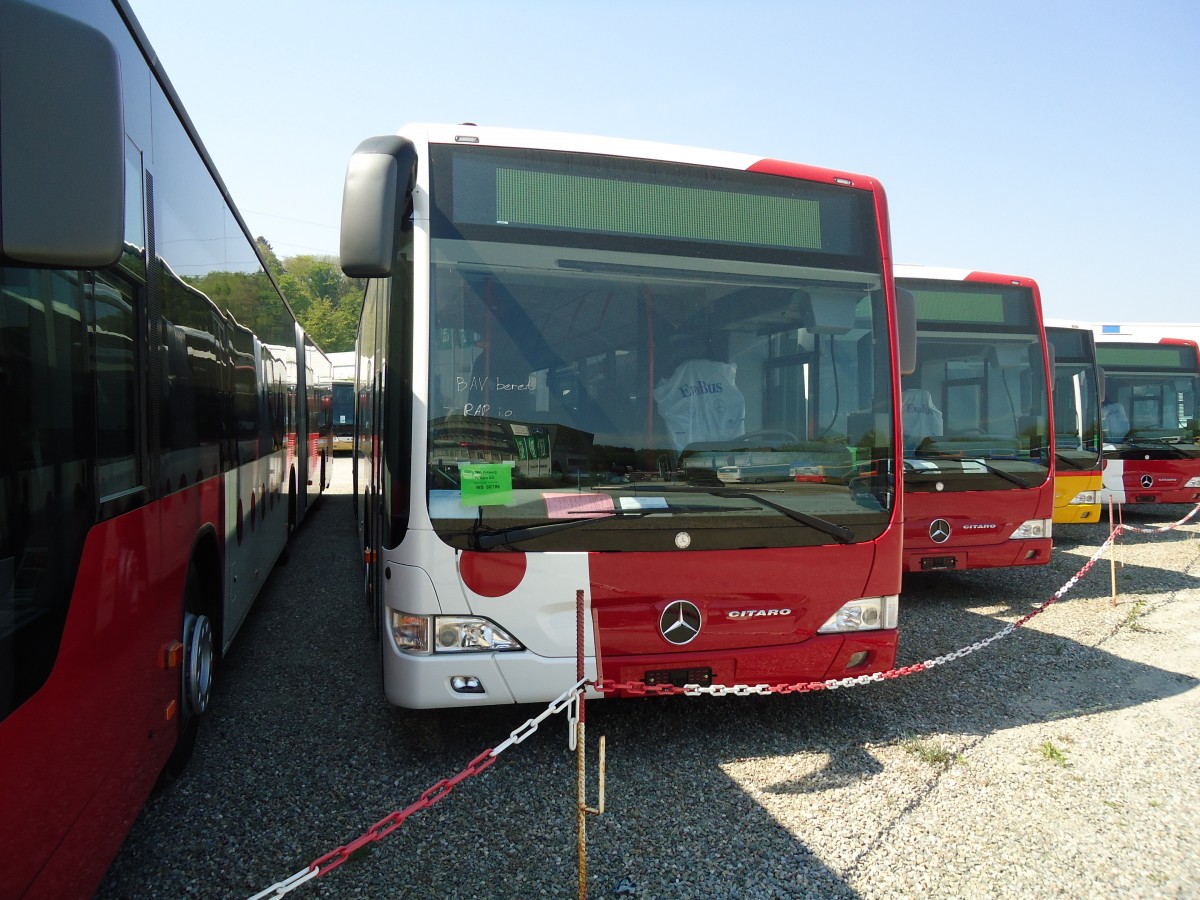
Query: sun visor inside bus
827, 310
62, 141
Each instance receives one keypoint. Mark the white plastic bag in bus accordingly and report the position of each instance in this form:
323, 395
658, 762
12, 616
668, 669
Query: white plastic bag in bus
700, 402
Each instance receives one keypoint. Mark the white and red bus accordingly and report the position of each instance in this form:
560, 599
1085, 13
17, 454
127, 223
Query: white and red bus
978, 446
1077, 437
158, 445
663, 376
1151, 413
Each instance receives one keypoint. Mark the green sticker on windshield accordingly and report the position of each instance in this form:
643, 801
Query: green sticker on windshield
486, 485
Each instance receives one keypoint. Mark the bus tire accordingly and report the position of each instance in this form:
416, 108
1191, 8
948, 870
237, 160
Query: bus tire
195, 681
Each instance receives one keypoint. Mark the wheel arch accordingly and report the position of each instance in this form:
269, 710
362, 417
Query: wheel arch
206, 558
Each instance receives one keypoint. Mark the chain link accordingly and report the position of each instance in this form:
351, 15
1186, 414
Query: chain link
1156, 529
568, 700
638, 689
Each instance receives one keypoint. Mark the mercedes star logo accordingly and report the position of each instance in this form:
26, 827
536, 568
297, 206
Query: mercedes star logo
1147, 481
939, 531
680, 622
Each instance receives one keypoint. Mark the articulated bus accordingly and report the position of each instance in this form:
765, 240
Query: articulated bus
1151, 414
978, 447
1077, 437
159, 442
662, 377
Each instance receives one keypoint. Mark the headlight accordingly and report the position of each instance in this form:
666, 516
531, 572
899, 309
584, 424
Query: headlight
450, 634
1034, 528
867, 614
1084, 498
455, 634
1193, 482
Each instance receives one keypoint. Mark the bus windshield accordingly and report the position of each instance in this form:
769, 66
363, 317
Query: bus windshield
1151, 394
614, 360
976, 406
1076, 399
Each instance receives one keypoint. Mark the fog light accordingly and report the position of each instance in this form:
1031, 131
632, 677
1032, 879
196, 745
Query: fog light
857, 659
466, 684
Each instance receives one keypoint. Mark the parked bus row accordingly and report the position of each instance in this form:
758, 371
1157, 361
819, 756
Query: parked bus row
1149, 382
167, 426
692, 386
688, 385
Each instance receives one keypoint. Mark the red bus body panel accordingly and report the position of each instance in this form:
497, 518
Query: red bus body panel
101, 720
980, 523
777, 643
1157, 480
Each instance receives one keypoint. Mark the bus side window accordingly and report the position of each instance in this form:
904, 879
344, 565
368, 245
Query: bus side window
114, 331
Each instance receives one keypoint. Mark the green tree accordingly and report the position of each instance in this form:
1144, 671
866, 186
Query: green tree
325, 301
274, 266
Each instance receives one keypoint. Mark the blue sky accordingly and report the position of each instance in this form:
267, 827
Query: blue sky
1056, 140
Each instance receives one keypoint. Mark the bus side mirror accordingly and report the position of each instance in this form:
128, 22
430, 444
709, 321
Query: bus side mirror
62, 141
906, 330
378, 180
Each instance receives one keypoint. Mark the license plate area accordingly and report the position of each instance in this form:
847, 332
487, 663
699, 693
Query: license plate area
680, 677
938, 563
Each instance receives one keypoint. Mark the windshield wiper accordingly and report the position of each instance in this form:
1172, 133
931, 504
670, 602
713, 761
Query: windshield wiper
1158, 442
1070, 462
486, 540
962, 460
840, 533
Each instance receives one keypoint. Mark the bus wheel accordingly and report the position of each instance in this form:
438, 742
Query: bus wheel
195, 683
197, 663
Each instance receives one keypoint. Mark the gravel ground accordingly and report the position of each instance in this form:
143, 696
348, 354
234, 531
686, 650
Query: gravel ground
1060, 761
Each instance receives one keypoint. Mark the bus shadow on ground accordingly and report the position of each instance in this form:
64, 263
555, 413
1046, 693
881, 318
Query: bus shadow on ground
303, 754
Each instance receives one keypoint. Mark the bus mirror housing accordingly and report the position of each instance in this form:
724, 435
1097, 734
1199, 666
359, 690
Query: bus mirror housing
906, 330
378, 181
62, 141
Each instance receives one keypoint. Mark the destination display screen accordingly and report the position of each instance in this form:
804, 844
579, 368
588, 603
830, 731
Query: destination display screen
479, 192
1168, 357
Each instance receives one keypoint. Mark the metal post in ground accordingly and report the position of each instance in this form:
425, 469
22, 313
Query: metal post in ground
582, 809
1112, 551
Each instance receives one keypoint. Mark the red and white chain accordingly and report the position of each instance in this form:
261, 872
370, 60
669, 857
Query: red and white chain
745, 690
569, 700
1156, 529
381, 829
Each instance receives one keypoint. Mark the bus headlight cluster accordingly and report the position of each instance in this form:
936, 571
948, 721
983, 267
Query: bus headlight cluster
1084, 498
867, 614
1034, 528
1193, 482
449, 634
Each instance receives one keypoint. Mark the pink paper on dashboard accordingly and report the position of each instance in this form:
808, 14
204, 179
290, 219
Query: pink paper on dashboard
577, 506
